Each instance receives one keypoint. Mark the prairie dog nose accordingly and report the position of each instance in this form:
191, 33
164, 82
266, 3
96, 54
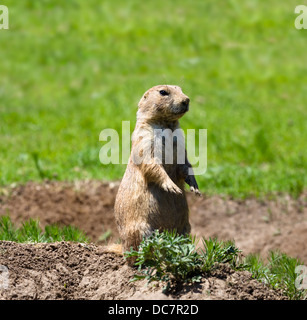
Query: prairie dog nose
186, 101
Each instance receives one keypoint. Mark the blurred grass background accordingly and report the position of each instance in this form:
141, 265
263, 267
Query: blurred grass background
70, 69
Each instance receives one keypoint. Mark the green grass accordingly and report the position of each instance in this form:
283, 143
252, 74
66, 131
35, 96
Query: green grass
31, 232
72, 68
278, 272
174, 259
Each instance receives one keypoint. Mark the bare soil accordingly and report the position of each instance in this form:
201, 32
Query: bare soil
78, 271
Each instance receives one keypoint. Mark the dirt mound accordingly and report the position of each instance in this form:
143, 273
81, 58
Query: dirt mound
255, 225
85, 271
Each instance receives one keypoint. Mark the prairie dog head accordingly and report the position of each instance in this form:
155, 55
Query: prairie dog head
163, 102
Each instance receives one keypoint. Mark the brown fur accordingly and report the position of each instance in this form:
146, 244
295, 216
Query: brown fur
151, 195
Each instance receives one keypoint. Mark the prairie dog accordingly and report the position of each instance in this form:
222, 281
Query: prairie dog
151, 194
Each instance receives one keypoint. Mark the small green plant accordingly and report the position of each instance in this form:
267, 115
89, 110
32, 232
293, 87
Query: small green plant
105, 236
173, 258
167, 257
279, 273
170, 257
216, 251
41, 172
30, 231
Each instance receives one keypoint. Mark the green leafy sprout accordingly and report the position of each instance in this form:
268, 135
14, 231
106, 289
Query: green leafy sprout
170, 257
174, 259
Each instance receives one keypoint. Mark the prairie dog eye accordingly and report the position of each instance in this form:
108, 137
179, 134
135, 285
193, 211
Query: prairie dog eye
163, 93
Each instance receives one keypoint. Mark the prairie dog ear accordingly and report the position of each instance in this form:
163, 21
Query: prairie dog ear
145, 95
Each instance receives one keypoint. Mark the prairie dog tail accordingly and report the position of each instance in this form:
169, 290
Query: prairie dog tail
115, 248
118, 249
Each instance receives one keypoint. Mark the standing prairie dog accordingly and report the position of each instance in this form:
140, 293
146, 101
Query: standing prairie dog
151, 194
